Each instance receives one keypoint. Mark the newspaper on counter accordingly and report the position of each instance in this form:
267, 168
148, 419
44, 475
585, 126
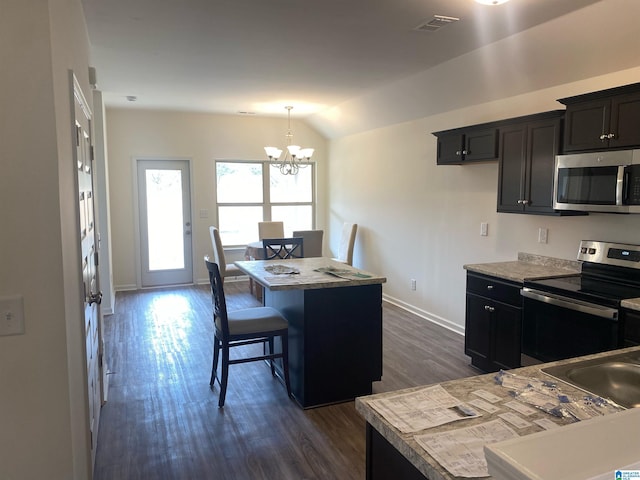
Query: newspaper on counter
461, 451
342, 272
424, 408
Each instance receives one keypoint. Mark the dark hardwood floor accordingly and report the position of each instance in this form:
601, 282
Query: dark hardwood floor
162, 421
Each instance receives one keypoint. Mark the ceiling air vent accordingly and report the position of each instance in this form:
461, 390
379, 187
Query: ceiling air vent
436, 23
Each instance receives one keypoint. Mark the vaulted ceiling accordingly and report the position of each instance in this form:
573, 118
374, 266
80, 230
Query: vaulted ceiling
256, 56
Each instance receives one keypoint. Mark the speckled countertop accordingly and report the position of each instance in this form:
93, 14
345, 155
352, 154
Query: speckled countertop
527, 267
307, 277
462, 389
534, 267
631, 304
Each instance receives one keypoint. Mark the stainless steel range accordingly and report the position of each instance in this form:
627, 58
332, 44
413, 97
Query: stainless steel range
580, 314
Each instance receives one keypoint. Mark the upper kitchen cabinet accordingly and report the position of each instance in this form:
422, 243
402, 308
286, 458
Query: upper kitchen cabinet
528, 146
607, 119
467, 145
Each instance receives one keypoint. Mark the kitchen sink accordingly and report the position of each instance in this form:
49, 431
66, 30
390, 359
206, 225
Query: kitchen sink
616, 377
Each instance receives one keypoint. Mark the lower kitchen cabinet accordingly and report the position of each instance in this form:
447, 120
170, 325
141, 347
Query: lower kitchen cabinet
493, 323
631, 328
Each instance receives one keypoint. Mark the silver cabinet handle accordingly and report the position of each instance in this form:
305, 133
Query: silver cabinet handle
458, 152
611, 135
489, 287
489, 308
603, 136
465, 152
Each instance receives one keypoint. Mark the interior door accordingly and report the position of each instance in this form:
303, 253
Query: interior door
92, 296
164, 208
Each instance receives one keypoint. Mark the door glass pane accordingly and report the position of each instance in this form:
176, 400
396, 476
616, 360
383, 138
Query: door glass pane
239, 225
295, 217
165, 222
292, 188
239, 182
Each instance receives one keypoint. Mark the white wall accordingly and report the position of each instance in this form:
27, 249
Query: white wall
43, 426
422, 221
202, 138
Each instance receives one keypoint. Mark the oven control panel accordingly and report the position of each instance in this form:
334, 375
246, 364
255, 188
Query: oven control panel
620, 254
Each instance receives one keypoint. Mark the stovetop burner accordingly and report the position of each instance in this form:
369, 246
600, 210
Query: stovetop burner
594, 289
610, 273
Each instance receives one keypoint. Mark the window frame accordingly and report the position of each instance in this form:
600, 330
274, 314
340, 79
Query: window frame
267, 171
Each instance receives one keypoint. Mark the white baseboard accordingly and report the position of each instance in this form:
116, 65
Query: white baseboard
454, 327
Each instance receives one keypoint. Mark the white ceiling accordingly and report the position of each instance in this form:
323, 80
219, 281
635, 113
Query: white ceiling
230, 56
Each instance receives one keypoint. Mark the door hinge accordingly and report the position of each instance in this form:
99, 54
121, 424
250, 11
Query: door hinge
95, 259
91, 153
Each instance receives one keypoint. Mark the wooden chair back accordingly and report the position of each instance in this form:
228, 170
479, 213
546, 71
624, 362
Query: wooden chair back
281, 248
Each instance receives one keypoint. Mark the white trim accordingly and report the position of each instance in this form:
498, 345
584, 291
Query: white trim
454, 327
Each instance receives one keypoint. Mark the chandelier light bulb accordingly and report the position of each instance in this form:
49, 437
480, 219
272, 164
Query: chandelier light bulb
295, 157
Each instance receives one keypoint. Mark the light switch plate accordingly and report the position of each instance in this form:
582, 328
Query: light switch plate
11, 315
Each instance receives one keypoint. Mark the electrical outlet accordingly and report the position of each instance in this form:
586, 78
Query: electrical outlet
542, 235
484, 229
11, 315
413, 284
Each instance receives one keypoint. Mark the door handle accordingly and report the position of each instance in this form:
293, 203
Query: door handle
95, 298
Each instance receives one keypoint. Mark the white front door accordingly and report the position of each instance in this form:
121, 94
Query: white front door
164, 212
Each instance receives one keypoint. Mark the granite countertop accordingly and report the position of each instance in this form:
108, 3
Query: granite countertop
307, 276
462, 389
535, 267
527, 267
631, 304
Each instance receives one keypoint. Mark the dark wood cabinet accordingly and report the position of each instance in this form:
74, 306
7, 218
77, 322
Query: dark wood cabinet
385, 462
602, 120
468, 145
493, 323
526, 164
335, 341
631, 328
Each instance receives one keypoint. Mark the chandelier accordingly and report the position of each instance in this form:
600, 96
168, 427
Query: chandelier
295, 156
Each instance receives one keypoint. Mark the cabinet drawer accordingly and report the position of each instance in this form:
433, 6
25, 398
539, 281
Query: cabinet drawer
494, 288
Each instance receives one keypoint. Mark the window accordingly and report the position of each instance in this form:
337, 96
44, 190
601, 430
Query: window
251, 192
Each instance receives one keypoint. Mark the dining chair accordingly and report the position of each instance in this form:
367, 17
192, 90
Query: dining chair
312, 241
282, 248
347, 242
270, 230
244, 327
218, 256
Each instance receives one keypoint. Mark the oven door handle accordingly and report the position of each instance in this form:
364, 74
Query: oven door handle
570, 303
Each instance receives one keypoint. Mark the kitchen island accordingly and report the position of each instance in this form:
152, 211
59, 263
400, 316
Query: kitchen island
392, 454
335, 325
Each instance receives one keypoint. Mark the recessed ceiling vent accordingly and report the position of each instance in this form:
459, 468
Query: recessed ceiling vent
436, 23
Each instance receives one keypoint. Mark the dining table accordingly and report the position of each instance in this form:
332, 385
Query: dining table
334, 312
254, 251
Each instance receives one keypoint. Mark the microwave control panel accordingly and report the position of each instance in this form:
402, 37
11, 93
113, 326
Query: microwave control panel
633, 184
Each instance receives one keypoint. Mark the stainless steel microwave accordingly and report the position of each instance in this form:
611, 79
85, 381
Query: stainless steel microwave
598, 182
